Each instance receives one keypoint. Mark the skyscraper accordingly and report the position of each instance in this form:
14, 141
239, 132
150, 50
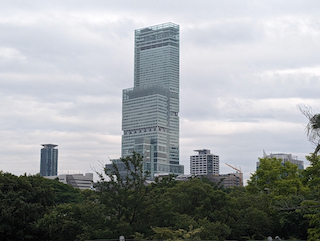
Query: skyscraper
150, 110
49, 160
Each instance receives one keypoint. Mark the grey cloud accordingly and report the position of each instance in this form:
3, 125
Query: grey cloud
244, 120
223, 33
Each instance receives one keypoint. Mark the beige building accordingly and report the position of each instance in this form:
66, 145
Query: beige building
228, 180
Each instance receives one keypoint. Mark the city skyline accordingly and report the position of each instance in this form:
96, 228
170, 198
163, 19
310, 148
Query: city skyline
245, 67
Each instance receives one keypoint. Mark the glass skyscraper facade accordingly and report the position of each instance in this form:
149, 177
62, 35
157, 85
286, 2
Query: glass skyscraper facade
150, 110
49, 160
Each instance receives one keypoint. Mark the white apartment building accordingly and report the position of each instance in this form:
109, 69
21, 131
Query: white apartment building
204, 163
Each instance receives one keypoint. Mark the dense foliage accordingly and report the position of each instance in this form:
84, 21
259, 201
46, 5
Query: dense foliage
278, 200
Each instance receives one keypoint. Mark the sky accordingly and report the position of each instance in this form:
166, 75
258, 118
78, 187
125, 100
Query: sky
245, 68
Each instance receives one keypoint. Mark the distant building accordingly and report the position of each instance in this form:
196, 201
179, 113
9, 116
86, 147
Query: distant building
49, 160
225, 180
121, 167
76, 180
228, 180
185, 177
285, 158
204, 163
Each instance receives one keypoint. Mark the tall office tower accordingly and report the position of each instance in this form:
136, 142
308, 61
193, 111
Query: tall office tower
49, 160
204, 163
150, 120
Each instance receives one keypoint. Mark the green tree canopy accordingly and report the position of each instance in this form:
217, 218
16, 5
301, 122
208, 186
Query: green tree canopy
74, 221
276, 178
23, 200
124, 197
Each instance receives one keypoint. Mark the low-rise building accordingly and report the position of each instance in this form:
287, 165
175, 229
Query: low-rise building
76, 180
285, 158
225, 180
228, 180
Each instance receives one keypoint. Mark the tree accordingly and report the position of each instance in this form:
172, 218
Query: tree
311, 175
180, 234
276, 178
124, 197
71, 221
198, 200
23, 201
191, 203
314, 220
213, 230
65, 193
283, 182
311, 178
313, 127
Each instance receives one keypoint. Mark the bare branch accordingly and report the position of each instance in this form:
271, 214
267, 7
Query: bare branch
313, 126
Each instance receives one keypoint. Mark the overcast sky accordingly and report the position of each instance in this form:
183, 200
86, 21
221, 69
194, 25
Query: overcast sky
245, 67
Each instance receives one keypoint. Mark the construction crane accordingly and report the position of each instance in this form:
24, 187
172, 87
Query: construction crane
240, 174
